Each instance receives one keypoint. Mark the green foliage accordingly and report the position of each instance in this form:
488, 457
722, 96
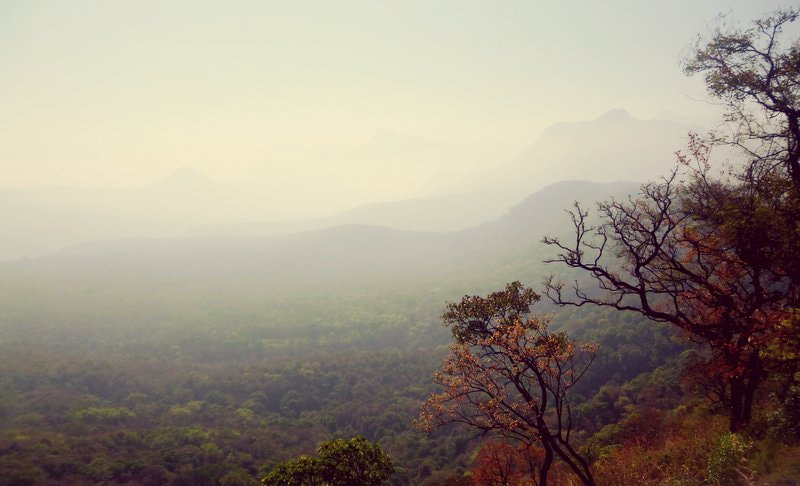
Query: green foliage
239, 400
303, 471
104, 415
726, 463
474, 317
354, 462
783, 423
227, 372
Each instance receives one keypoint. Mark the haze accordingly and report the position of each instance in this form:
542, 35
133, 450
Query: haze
274, 111
232, 233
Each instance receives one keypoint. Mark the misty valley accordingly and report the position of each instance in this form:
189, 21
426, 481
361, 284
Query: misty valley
217, 268
204, 361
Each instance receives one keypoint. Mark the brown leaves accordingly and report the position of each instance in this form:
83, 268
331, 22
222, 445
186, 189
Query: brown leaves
506, 373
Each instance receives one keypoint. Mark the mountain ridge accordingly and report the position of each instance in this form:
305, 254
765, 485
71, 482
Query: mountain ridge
615, 146
349, 254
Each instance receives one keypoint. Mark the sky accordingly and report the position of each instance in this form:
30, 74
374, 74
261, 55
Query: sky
120, 93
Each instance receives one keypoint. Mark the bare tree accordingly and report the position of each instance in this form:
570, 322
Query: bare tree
654, 256
719, 258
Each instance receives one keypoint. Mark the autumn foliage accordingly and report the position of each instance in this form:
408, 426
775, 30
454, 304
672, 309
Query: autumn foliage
692, 254
500, 463
507, 375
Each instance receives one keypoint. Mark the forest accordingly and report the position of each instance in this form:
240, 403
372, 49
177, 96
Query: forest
596, 334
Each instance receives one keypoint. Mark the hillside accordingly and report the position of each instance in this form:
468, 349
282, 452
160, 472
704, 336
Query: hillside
613, 147
346, 254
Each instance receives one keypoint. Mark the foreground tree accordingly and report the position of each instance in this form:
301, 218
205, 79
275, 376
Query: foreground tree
757, 79
719, 258
648, 256
508, 376
755, 75
354, 462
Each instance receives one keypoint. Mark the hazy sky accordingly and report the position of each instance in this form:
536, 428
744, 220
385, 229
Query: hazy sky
124, 92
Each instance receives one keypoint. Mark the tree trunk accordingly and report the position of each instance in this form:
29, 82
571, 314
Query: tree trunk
754, 376
548, 461
742, 392
575, 463
735, 423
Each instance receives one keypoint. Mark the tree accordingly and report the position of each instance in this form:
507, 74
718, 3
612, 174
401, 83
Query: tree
659, 256
303, 471
500, 464
755, 75
717, 257
508, 376
354, 462
757, 79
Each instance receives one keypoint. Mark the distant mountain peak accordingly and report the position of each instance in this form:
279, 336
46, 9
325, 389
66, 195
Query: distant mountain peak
185, 176
615, 115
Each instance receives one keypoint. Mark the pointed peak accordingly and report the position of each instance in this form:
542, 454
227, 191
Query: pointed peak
616, 115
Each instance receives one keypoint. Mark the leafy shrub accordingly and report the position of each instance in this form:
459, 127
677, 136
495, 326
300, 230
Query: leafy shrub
726, 462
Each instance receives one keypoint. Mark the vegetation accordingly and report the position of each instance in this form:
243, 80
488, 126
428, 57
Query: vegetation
354, 462
123, 375
754, 75
715, 257
507, 375
192, 381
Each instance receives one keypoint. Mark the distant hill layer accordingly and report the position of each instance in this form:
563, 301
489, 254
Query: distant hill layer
347, 253
614, 147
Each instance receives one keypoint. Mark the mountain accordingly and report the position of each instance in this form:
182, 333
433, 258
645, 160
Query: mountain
43, 219
614, 147
292, 184
441, 213
344, 255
